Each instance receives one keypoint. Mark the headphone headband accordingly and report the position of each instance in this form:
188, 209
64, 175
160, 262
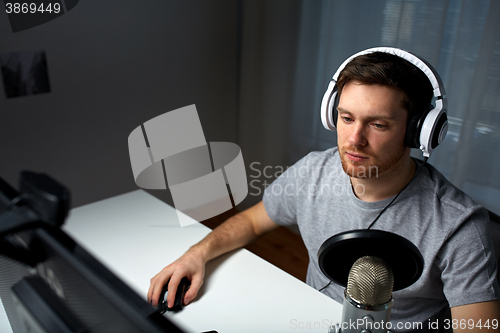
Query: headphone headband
432, 75
426, 131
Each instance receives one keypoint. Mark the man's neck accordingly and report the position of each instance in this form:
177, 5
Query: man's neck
385, 185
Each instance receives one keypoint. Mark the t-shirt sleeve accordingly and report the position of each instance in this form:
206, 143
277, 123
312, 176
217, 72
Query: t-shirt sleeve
282, 196
468, 263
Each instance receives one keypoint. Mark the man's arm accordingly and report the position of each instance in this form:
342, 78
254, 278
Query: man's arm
236, 232
477, 317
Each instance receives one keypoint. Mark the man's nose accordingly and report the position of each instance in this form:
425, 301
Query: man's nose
357, 137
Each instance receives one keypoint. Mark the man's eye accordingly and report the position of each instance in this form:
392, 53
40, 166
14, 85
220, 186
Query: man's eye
379, 126
347, 119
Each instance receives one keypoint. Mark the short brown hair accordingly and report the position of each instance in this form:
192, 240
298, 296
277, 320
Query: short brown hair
392, 71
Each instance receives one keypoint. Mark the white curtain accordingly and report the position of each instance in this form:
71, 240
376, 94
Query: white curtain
460, 38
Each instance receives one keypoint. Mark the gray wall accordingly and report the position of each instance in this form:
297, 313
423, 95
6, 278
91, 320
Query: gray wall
268, 65
112, 66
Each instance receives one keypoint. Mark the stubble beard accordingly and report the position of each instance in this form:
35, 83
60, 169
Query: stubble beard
375, 168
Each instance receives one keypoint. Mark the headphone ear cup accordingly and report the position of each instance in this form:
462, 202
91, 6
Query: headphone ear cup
440, 130
412, 136
334, 109
328, 107
411, 132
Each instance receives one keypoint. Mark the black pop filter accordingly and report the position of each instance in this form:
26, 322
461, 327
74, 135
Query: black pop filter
339, 252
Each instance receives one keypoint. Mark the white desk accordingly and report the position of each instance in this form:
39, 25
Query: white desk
135, 235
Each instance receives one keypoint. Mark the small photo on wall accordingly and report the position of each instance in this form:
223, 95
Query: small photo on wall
24, 73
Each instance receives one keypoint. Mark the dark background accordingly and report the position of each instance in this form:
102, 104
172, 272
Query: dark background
112, 66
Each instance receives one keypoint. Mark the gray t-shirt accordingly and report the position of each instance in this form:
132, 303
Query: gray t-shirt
448, 228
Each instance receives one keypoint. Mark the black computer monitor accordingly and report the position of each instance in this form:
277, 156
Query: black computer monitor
48, 283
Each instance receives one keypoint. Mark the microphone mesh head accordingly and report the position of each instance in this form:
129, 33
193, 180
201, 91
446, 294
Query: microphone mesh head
370, 281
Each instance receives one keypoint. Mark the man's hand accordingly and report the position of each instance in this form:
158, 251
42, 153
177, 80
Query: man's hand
238, 231
190, 265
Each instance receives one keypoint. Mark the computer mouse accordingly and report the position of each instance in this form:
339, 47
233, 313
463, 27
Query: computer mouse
179, 296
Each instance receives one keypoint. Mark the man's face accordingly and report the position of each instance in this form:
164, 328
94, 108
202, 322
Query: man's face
371, 128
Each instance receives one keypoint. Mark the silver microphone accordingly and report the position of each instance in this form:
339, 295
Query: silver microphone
368, 297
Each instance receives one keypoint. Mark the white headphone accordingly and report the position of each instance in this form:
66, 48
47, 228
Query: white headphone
425, 130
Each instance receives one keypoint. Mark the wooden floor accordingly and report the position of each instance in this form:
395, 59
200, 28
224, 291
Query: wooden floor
281, 247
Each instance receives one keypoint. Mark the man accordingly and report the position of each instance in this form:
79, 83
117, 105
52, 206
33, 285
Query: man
346, 188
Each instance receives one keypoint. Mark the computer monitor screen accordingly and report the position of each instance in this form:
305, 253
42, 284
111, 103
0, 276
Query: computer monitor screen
48, 283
